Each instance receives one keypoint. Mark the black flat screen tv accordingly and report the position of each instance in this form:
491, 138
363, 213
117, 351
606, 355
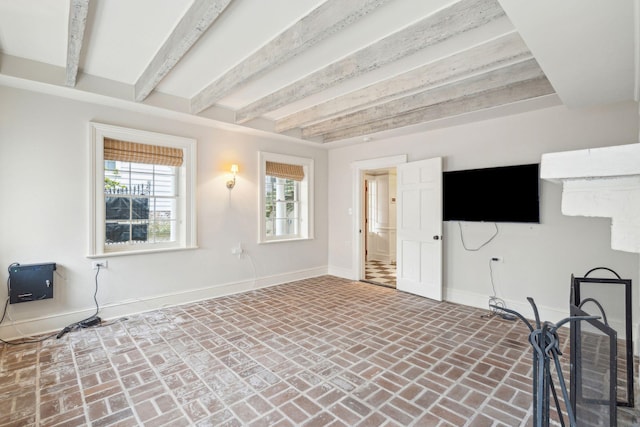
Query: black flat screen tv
500, 194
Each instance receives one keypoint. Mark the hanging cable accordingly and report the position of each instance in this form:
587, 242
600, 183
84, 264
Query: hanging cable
89, 321
482, 245
494, 301
496, 304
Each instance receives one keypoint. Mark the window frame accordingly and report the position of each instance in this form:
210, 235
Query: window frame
306, 187
186, 202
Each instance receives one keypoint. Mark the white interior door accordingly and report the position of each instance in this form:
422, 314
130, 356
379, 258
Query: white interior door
419, 228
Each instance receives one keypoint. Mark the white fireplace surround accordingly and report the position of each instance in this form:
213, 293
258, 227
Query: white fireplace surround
601, 182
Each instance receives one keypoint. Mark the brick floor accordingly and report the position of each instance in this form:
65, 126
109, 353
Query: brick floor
317, 352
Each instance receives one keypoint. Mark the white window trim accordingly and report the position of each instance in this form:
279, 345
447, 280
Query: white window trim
187, 236
307, 221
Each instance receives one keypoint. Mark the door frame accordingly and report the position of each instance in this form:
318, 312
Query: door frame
359, 168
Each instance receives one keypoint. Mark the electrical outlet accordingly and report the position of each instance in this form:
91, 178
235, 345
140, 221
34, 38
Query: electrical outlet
102, 263
497, 259
238, 250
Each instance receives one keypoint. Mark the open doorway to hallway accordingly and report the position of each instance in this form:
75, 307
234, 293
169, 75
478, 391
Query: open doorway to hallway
379, 226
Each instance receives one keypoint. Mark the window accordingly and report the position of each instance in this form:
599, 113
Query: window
286, 197
142, 185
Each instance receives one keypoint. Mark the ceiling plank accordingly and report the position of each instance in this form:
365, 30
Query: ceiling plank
454, 20
478, 101
526, 70
78, 11
189, 30
327, 19
498, 52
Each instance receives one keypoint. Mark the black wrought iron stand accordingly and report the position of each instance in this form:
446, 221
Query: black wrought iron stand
546, 347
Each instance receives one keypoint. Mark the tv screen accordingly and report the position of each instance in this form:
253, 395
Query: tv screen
501, 194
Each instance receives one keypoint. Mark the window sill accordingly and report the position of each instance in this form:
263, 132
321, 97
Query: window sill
292, 239
139, 252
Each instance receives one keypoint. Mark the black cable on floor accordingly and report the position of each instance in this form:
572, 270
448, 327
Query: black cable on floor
89, 321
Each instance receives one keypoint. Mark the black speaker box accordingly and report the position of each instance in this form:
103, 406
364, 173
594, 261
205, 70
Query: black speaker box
30, 282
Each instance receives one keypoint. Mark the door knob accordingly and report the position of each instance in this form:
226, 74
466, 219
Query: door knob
436, 237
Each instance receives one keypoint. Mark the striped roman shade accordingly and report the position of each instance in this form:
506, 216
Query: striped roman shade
285, 170
126, 151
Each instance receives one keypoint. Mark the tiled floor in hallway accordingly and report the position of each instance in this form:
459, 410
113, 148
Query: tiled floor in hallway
317, 352
380, 272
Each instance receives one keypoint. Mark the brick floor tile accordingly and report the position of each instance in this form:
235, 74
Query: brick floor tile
66, 417
345, 414
501, 416
475, 399
321, 420
396, 414
447, 415
98, 410
294, 413
481, 421
175, 417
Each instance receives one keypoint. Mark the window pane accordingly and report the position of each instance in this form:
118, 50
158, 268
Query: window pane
281, 212
140, 203
286, 204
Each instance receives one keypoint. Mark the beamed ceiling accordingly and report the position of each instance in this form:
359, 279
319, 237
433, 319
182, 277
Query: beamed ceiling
326, 71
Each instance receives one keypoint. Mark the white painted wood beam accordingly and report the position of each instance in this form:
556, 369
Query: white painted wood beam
327, 19
466, 104
526, 70
78, 11
191, 27
501, 51
454, 20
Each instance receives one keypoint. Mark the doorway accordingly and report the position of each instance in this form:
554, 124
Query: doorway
419, 223
379, 226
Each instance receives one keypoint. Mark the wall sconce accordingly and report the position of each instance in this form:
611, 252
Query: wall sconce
231, 178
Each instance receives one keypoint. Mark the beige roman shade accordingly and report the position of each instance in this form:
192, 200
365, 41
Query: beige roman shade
126, 151
285, 170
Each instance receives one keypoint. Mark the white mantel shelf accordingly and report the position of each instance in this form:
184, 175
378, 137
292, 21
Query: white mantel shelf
601, 182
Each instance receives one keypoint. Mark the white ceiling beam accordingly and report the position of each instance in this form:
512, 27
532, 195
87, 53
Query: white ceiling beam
478, 101
78, 11
327, 19
504, 76
526, 70
454, 20
496, 53
189, 30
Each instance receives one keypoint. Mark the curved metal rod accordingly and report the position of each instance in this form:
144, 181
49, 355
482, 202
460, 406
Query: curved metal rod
535, 311
575, 319
602, 268
604, 316
515, 313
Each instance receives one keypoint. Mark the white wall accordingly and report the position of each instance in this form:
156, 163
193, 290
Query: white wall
538, 258
44, 215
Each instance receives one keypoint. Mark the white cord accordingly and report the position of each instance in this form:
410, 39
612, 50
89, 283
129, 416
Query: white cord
482, 245
494, 301
255, 274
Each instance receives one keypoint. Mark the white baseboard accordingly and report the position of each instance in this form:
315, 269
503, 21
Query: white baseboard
115, 310
345, 273
473, 299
